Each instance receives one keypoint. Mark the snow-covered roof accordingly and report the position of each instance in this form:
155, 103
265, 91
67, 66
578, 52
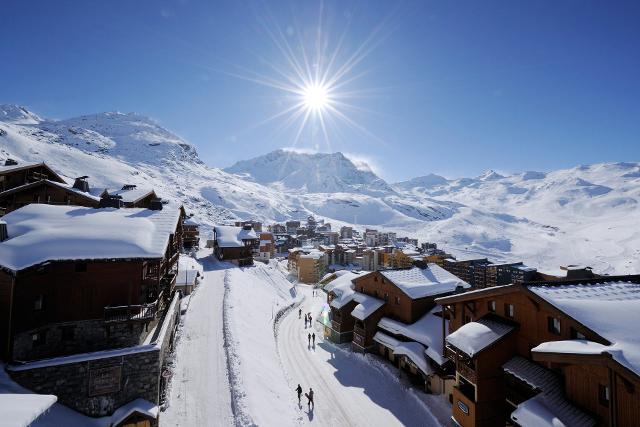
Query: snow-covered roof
551, 403
19, 166
609, 309
131, 195
367, 305
229, 236
342, 288
420, 283
139, 405
415, 352
386, 340
571, 347
39, 233
23, 409
62, 186
427, 331
191, 221
186, 277
474, 337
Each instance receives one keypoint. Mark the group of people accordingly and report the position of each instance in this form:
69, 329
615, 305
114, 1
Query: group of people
308, 395
307, 318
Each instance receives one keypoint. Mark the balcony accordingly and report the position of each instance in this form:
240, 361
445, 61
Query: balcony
131, 313
359, 331
467, 372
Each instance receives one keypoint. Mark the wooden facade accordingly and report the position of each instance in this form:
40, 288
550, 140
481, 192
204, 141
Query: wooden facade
483, 396
12, 176
47, 192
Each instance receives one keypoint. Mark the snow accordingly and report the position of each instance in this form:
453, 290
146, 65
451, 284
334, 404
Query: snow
350, 389
427, 330
421, 283
232, 237
610, 309
130, 195
571, 347
474, 337
21, 165
367, 305
141, 406
39, 233
186, 276
23, 409
342, 288
535, 413
414, 351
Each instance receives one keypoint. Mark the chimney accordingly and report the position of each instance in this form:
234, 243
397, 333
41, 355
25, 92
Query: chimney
10, 162
4, 234
81, 184
156, 205
129, 187
111, 202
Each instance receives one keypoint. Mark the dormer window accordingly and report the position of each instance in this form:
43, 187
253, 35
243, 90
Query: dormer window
38, 303
553, 325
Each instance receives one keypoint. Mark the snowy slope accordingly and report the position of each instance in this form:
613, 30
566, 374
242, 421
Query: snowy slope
586, 214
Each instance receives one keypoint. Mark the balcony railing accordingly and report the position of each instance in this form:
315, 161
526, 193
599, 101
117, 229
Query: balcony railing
131, 313
359, 331
467, 372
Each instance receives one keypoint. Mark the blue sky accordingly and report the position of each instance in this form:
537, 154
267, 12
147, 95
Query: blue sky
448, 87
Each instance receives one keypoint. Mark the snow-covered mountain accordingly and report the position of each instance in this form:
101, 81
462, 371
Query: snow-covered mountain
311, 173
587, 214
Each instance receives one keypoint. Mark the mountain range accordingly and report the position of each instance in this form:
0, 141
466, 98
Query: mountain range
588, 214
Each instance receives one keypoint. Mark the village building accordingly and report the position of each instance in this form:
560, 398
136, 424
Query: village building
238, 245
87, 302
393, 313
186, 281
346, 232
311, 266
190, 233
277, 229
49, 192
267, 247
130, 195
563, 352
256, 225
471, 270
292, 227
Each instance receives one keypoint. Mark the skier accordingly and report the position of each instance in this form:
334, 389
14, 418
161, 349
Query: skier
299, 390
299, 313
313, 338
310, 398
309, 339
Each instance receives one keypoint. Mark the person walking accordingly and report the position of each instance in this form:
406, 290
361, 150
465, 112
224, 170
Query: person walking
299, 313
305, 321
299, 390
309, 319
310, 398
313, 339
309, 339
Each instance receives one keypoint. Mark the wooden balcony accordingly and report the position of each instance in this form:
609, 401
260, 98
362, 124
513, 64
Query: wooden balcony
131, 313
359, 331
467, 372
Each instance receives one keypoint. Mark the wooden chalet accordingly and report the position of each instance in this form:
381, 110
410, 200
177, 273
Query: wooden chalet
190, 233
75, 280
237, 245
14, 174
546, 354
130, 196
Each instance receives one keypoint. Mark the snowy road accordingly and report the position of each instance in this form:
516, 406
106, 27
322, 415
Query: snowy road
348, 391
200, 389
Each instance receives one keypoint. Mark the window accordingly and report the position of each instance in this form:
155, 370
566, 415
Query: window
68, 332
603, 395
577, 335
386, 296
81, 267
397, 300
375, 278
383, 281
38, 303
553, 325
39, 338
509, 310
361, 288
375, 293
491, 306
467, 318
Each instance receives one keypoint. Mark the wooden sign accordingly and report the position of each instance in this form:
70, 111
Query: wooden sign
105, 380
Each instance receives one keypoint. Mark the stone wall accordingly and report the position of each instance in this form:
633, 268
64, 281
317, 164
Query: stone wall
87, 336
97, 384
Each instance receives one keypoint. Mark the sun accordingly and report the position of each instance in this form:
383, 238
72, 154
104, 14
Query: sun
315, 97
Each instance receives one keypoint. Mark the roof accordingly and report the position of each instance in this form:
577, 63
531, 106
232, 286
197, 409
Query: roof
191, 221
187, 277
140, 406
40, 233
21, 166
131, 195
24, 409
413, 350
477, 293
229, 236
367, 305
609, 309
421, 283
53, 184
342, 288
571, 347
427, 331
474, 337
550, 407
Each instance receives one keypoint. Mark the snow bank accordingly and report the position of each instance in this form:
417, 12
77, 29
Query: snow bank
23, 409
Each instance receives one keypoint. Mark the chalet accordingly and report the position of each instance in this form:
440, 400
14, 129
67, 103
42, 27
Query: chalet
549, 353
190, 233
94, 282
393, 312
186, 281
49, 192
237, 245
131, 196
256, 225
14, 174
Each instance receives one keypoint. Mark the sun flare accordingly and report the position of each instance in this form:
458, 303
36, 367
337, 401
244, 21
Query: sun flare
315, 97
